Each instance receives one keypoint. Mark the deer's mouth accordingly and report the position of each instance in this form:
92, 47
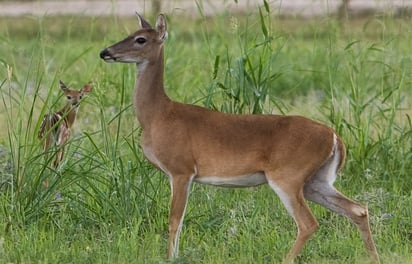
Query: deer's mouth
109, 59
106, 56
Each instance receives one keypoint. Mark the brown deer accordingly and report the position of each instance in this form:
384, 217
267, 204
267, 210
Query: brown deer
297, 157
56, 126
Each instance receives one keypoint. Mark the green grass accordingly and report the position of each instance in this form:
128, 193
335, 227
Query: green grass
114, 205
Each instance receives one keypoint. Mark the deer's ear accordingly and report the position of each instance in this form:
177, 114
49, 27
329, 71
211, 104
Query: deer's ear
161, 27
143, 23
63, 86
87, 88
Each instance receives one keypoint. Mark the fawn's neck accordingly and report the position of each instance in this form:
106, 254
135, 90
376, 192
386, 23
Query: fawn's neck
68, 113
150, 98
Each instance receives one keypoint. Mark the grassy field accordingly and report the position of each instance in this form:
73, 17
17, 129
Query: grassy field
107, 204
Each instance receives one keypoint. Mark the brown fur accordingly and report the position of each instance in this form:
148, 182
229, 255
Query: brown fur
298, 157
55, 127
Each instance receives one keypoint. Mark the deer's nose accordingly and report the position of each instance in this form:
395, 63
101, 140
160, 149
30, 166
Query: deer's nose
104, 53
107, 56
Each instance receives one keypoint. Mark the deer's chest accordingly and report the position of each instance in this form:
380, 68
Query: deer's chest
150, 153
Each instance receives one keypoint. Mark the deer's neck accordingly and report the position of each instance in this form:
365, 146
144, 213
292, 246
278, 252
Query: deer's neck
150, 99
68, 113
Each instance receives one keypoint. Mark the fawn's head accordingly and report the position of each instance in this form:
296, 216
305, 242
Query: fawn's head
75, 96
140, 46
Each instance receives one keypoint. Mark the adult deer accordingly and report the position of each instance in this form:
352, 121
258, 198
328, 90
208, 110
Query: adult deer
297, 157
56, 126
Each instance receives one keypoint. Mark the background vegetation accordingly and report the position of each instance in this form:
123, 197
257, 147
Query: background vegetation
107, 204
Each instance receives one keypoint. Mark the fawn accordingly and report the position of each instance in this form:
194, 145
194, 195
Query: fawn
56, 126
298, 158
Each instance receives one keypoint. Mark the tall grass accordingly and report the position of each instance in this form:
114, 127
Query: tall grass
106, 203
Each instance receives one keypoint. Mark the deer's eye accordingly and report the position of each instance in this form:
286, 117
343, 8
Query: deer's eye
69, 97
80, 97
140, 40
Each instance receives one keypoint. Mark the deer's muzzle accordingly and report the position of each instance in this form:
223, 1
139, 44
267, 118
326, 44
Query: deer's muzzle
105, 55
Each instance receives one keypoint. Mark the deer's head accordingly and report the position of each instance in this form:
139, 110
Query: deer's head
140, 46
75, 96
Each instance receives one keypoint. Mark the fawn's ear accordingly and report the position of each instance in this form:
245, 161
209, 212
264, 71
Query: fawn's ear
87, 88
63, 86
143, 23
161, 27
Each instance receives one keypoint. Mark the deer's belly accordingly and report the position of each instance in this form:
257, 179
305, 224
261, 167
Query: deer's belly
233, 181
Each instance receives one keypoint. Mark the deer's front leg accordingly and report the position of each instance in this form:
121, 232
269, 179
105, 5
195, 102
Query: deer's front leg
61, 142
180, 185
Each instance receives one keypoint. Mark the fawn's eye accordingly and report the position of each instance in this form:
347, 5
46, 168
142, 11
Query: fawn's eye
69, 97
140, 40
80, 97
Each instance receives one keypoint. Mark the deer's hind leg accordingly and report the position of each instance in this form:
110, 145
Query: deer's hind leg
320, 190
